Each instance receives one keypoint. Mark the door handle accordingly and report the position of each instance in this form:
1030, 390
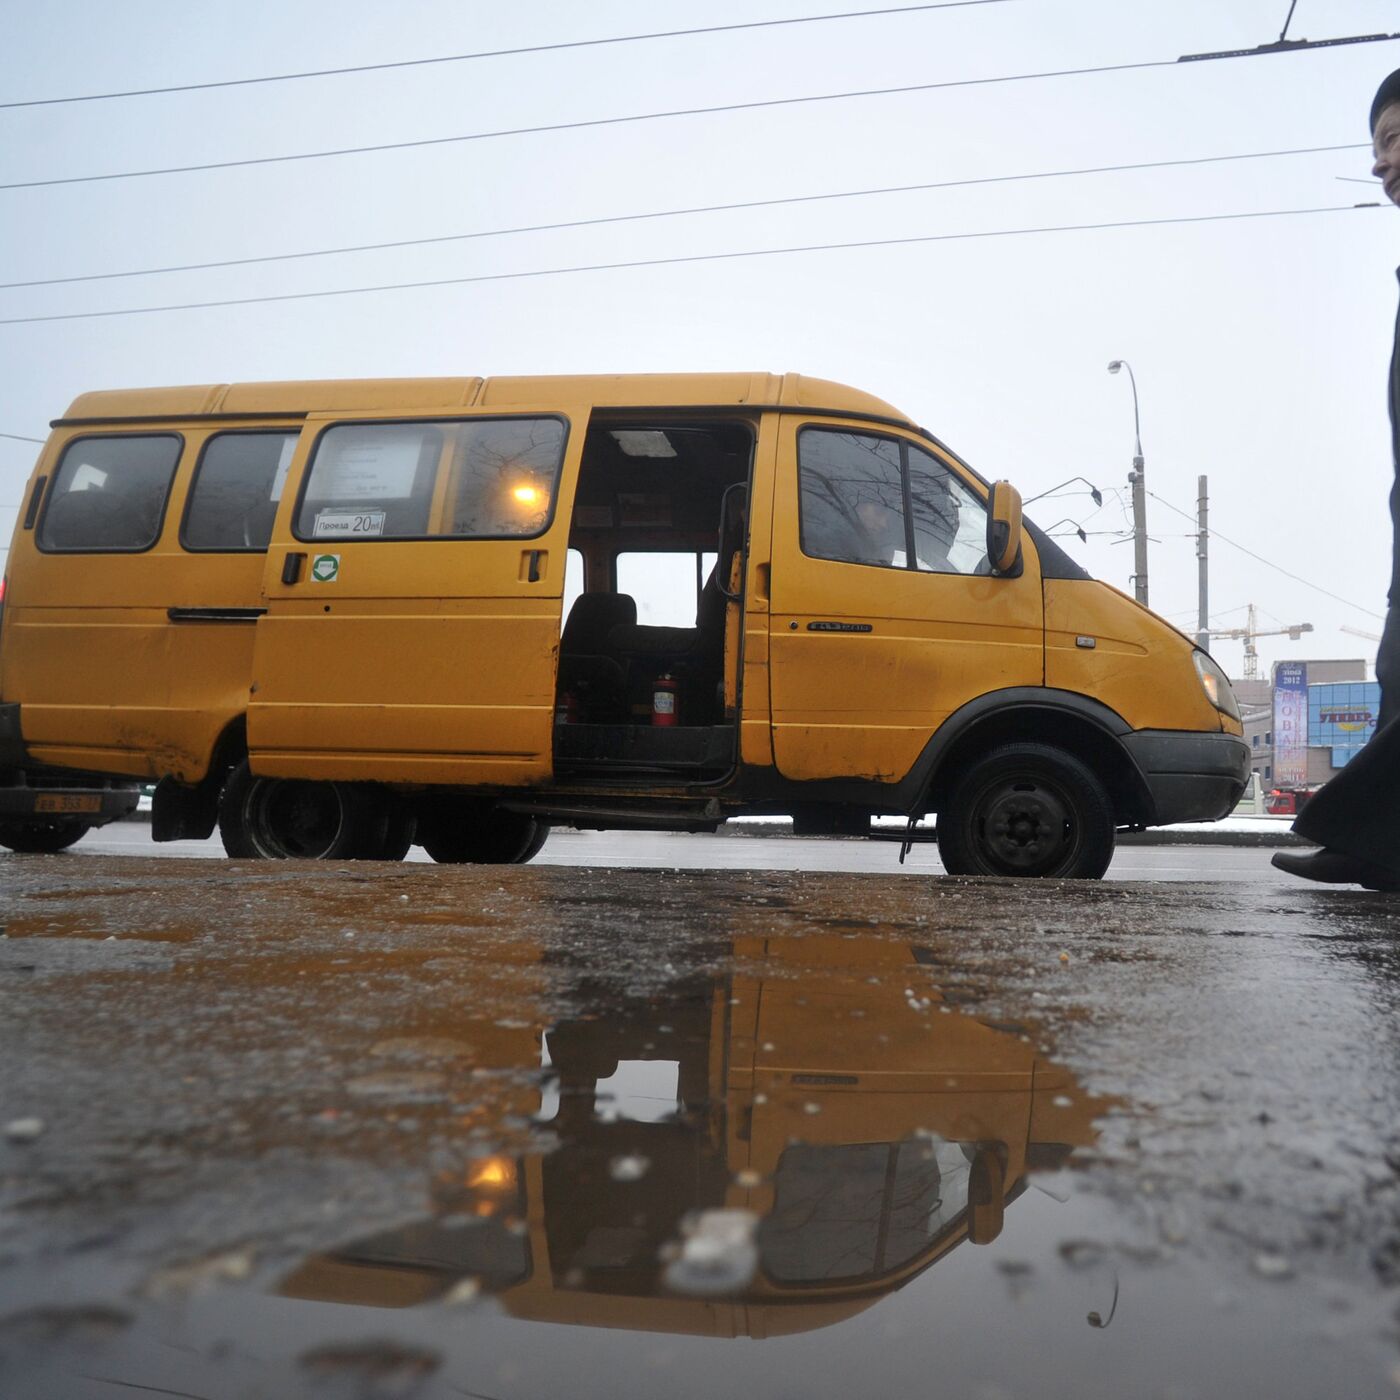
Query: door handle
291, 566
532, 565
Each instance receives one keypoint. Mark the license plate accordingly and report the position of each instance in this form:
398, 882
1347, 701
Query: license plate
67, 802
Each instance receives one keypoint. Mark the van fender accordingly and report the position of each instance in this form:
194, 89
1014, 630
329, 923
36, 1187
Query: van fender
190, 811
1032, 714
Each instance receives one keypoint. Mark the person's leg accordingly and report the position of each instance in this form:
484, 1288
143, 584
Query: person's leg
1388, 668
1355, 818
1388, 654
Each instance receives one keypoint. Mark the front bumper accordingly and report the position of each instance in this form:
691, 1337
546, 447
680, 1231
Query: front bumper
1191, 777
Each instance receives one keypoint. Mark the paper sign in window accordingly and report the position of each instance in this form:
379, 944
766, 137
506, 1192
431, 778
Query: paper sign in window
366, 465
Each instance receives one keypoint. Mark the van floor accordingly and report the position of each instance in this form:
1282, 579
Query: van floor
630, 751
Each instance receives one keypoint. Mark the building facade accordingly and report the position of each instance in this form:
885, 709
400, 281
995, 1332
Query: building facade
1307, 723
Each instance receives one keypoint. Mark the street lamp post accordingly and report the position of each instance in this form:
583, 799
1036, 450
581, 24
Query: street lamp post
1136, 481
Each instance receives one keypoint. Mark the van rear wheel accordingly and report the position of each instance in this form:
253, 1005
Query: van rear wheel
392, 829
1027, 810
290, 819
465, 831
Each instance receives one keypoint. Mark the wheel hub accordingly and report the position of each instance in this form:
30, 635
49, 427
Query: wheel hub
1024, 825
302, 818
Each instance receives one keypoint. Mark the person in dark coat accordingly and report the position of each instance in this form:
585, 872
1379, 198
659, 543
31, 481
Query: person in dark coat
1356, 817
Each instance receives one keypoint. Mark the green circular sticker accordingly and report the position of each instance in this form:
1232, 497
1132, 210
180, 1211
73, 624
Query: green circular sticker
325, 567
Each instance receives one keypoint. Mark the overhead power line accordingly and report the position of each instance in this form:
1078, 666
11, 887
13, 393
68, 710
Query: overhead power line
591, 122
677, 261
630, 118
674, 214
1297, 578
498, 53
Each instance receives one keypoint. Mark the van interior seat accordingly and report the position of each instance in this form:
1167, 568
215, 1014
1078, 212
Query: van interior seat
588, 668
704, 640
592, 620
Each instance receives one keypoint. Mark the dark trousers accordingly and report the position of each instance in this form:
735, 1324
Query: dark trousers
1358, 812
1388, 667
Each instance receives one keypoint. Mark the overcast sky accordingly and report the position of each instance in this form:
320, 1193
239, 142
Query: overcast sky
1259, 345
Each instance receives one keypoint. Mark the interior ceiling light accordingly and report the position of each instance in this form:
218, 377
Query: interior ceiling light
643, 442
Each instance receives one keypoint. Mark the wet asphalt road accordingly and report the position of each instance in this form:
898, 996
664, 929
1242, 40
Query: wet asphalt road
418, 1130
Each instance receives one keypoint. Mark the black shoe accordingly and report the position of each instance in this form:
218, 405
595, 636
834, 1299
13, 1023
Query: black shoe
1330, 867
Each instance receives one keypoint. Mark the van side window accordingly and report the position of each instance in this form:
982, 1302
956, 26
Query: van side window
852, 497
950, 523
109, 493
484, 478
237, 484
867, 499
856, 1211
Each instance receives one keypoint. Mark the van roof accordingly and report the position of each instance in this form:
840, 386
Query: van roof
297, 398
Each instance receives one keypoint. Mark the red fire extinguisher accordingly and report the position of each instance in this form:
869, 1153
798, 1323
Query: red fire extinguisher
664, 696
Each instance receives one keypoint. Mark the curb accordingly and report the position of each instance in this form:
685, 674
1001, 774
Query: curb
1207, 837
1152, 837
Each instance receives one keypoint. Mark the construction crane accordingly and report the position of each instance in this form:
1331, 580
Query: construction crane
1250, 631
1357, 632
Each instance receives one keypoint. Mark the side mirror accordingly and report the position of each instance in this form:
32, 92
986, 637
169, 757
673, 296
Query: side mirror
1004, 529
986, 1194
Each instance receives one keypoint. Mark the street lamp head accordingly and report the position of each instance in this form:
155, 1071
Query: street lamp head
1114, 366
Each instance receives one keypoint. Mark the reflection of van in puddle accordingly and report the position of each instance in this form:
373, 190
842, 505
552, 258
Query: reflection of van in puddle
829, 1092
328, 615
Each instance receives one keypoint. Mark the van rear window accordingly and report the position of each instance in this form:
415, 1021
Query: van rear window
483, 478
237, 485
109, 493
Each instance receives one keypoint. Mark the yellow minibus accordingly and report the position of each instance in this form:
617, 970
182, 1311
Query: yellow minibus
331, 618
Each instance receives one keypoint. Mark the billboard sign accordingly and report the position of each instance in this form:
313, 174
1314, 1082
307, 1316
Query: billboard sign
1291, 724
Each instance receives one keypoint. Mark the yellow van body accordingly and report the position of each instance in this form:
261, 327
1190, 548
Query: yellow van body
358, 588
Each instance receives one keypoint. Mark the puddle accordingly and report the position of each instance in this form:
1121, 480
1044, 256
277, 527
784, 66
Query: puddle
787, 1165
94, 927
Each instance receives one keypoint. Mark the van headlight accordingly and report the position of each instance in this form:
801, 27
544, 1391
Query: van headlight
1216, 684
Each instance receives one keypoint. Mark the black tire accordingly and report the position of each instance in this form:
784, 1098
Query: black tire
392, 829
1029, 811
467, 831
41, 838
291, 819
536, 844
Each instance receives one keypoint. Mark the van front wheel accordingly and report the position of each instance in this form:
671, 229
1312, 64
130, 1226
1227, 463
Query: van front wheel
289, 819
1027, 810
